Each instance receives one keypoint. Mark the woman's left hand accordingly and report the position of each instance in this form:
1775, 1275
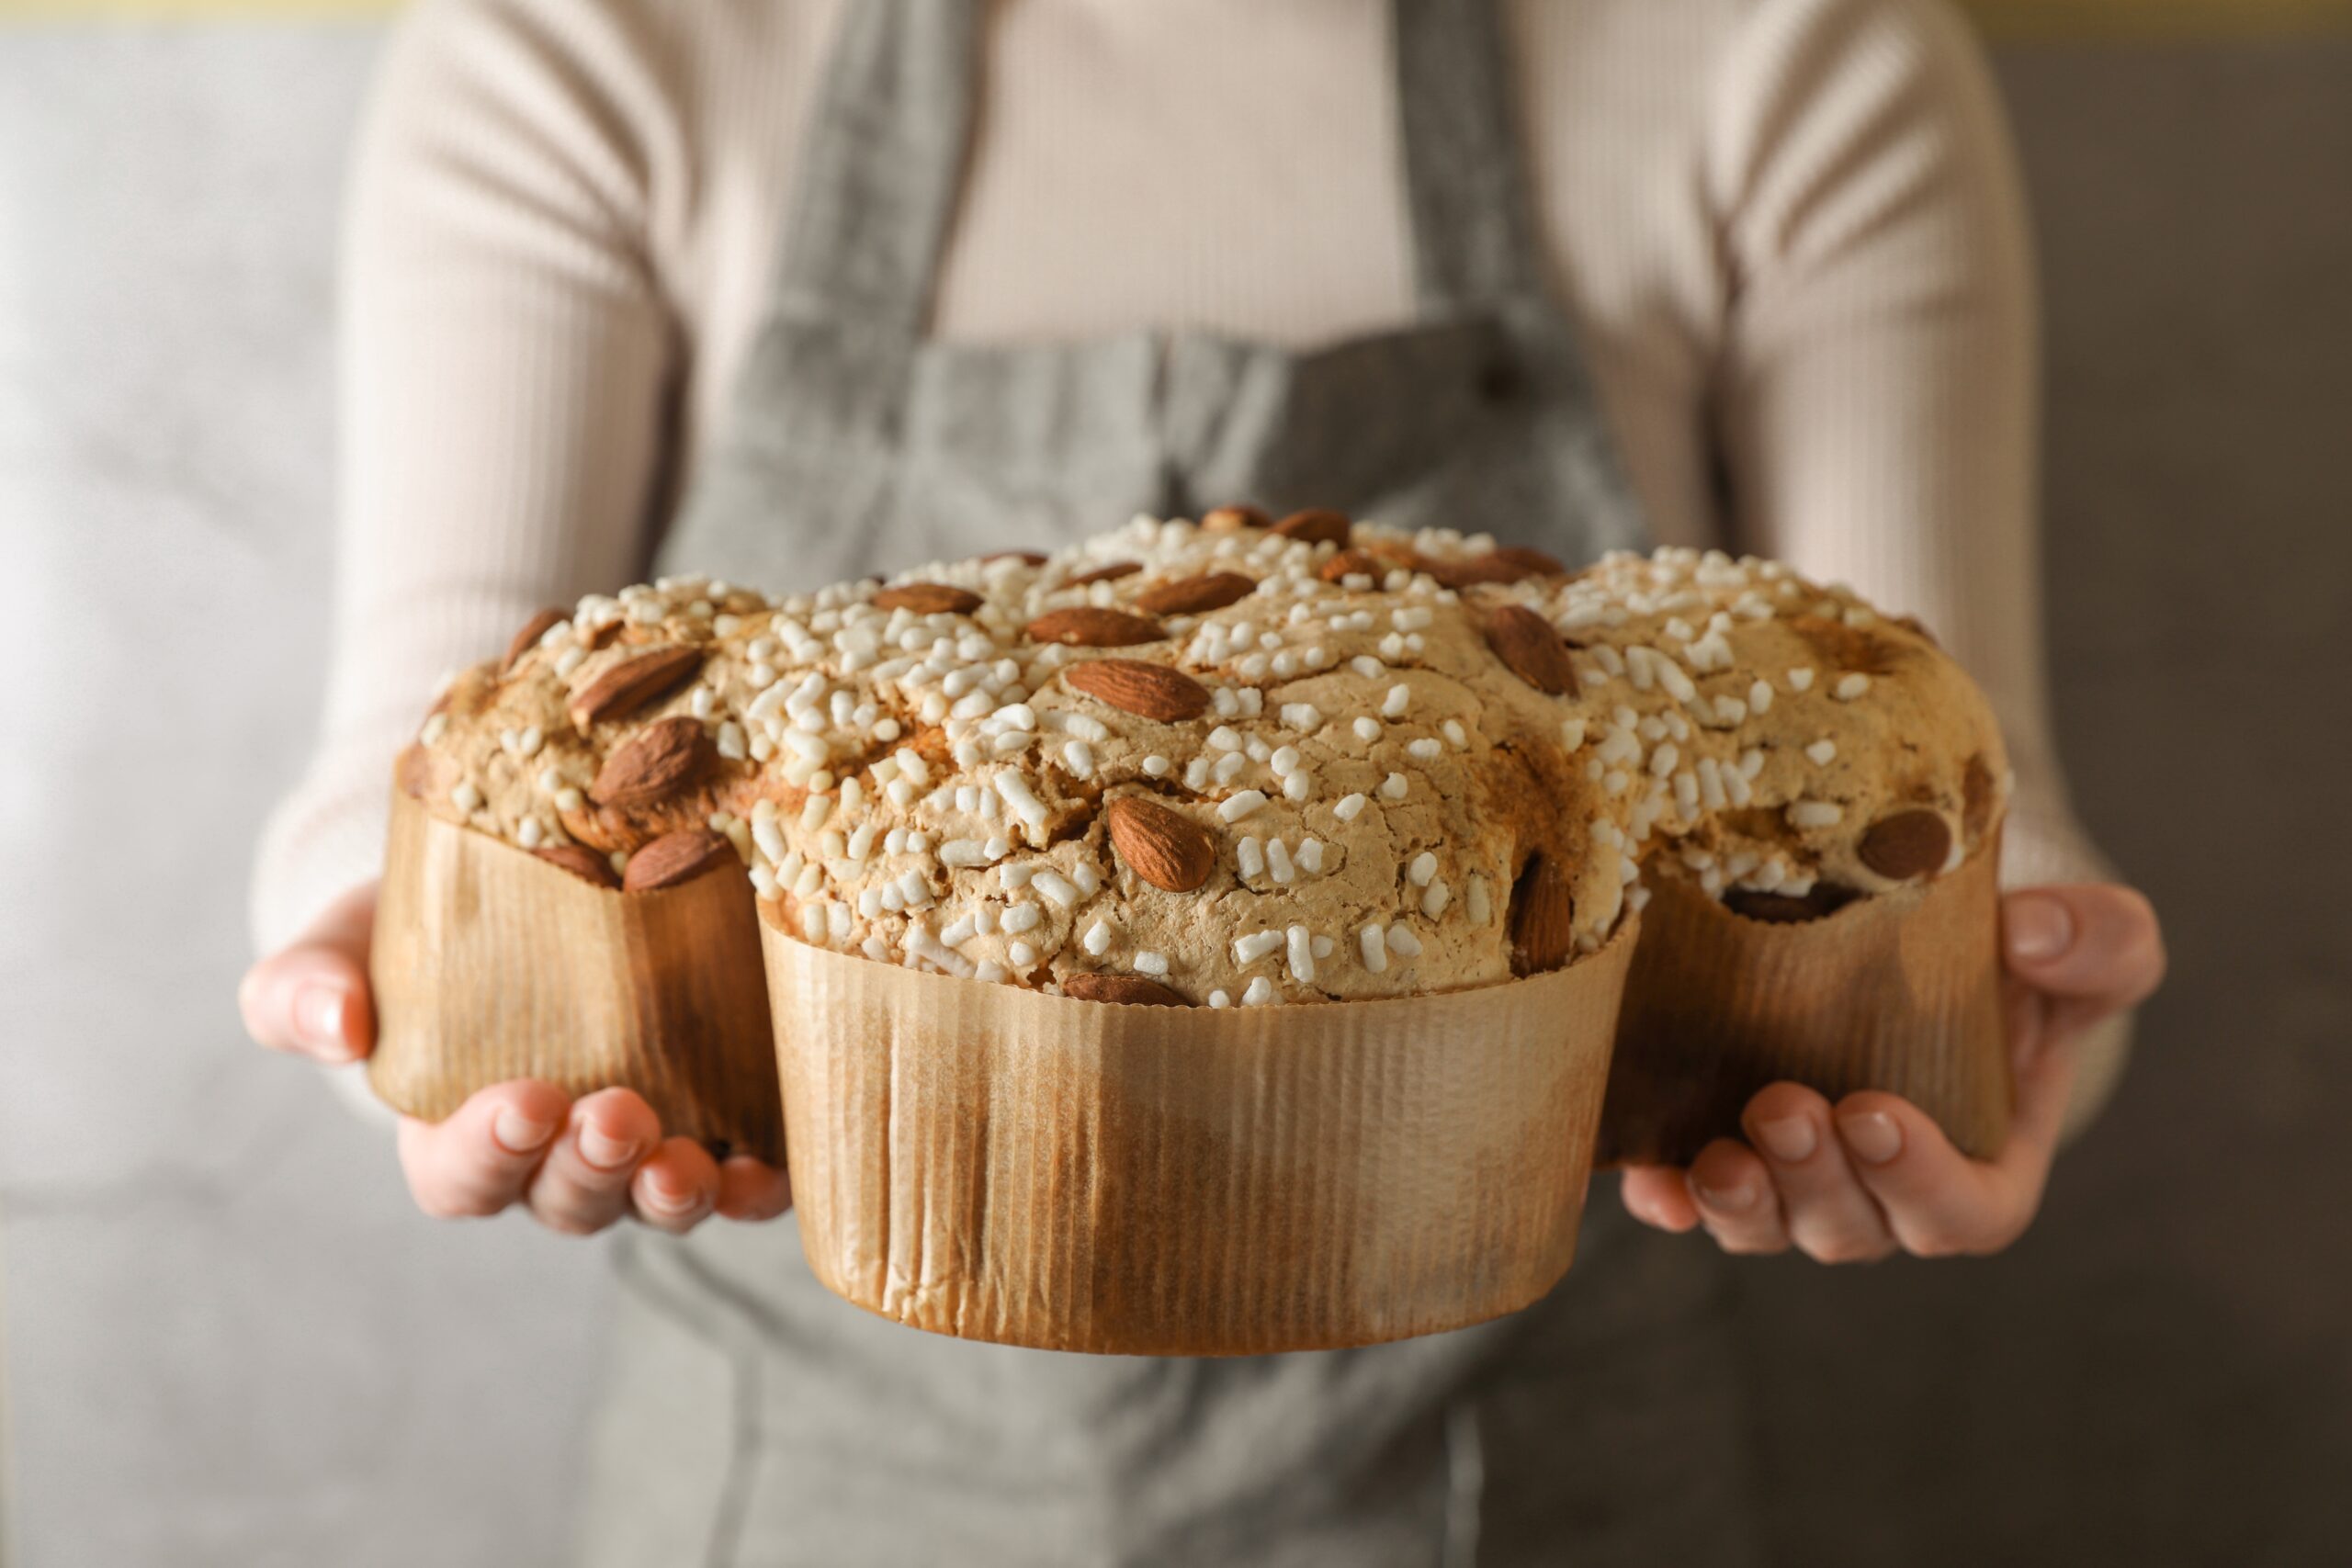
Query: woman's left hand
1873, 1176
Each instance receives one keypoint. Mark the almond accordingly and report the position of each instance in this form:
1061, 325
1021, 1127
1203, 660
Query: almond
581, 862
1525, 642
1976, 797
1149, 691
1317, 526
1196, 596
1351, 563
529, 637
635, 680
1906, 844
674, 858
1088, 626
1542, 919
1132, 989
1026, 558
601, 634
1842, 647
414, 772
1233, 519
1512, 565
1160, 843
1112, 574
928, 599
662, 759
1531, 563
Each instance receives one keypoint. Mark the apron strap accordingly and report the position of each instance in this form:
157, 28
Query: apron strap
879, 175
877, 178
1465, 179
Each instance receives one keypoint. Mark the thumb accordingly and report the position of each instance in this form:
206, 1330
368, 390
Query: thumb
2095, 945
311, 996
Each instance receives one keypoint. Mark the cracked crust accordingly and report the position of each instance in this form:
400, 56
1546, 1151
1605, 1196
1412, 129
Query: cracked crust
1379, 765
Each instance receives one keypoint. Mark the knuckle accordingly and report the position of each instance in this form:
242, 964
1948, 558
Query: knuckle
1748, 1245
566, 1220
1840, 1250
1935, 1243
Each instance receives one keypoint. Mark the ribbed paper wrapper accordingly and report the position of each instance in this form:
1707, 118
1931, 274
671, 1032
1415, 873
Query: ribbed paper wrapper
1002, 1165
491, 965
1900, 992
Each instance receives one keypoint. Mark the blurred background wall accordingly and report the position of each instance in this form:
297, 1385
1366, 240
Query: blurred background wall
225, 1339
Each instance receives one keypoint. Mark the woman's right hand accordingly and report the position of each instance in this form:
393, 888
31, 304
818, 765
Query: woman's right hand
577, 1166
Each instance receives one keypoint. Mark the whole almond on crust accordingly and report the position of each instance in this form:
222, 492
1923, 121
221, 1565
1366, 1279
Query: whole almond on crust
1026, 558
662, 759
1317, 525
1160, 843
529, 637
674, 858
1149, 691
1133, 990
1542, 919
1512, 565
1526, 643
1090, 627
1906, 844
1531, 563
1351, 563
1112, 574
632, 683
928, 599
581, 862
1196, 596
1233, 519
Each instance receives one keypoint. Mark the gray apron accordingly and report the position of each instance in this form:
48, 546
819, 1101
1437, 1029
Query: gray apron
755, 1419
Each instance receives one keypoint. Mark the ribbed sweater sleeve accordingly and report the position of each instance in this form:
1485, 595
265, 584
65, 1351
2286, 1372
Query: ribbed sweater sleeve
504, 358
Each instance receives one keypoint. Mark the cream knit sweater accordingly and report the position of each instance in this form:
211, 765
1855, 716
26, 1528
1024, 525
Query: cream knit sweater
1790, 229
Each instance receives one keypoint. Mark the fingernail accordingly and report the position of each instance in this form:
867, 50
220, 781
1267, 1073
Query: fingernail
603, 1150
518, 1134
669, 1199
1732, 1199
318, 1019
2039, 927
1788, 1139
1872, 1136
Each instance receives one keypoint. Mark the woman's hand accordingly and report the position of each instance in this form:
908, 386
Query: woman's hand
1873, 1176
577, 1165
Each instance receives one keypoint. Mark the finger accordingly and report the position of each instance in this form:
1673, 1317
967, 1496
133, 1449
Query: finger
1735, 1198
1830, 1216
752, 1189
479, 1160
1938, 1202
676, 1188
2094, 944
1659, 1196
310, 998
583, 1185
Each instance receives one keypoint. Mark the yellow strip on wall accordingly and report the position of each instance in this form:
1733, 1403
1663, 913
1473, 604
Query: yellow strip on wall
2089, 19
2099, 20
187, 10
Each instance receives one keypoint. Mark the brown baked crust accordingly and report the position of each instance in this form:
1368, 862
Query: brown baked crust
909, 772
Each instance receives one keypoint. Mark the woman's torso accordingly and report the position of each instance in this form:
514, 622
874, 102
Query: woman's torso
852, 439
1218, 166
